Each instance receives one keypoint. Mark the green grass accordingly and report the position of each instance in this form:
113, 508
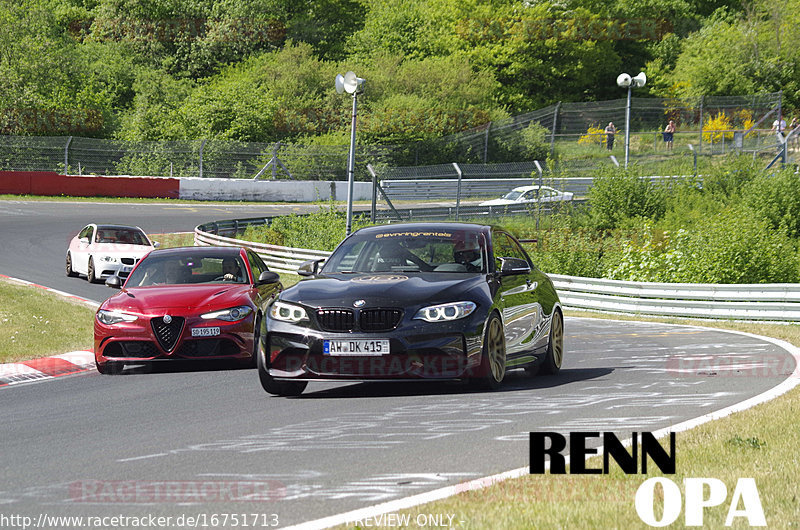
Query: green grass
38, 324
760, 443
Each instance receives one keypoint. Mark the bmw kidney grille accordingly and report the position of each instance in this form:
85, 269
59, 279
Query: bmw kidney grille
368, 319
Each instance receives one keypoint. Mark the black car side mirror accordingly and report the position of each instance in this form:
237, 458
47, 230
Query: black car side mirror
114, 281
309, 268
268, 277
513, 266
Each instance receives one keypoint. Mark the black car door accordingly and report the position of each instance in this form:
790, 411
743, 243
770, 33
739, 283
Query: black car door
522, 312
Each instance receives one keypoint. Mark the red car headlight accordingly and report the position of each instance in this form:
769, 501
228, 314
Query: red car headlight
110, 318
232, 314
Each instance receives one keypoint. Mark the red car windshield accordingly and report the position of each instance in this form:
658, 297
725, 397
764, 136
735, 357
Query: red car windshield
178, 269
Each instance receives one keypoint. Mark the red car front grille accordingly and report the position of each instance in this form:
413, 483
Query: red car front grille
167, 333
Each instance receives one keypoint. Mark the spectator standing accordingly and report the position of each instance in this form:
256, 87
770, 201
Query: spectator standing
779, 125
610, 131
669, 133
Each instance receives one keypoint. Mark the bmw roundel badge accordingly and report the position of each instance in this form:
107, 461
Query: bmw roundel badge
359, 303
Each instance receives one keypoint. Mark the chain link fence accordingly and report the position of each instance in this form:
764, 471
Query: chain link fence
569, 135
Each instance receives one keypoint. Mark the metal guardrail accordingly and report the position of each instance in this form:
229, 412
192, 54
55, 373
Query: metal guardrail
772, 302
277, 258
778, 301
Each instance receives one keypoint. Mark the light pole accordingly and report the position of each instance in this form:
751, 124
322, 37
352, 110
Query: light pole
351, 84
626, 81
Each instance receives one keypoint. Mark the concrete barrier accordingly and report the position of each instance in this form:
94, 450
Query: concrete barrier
208, 189
50, 183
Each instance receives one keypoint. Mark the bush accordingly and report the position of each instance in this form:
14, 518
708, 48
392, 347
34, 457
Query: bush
617, 195
733, 246
776, 198
322, 230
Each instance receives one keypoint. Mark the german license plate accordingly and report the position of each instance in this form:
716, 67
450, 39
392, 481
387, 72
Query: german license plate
205, 332
356, 347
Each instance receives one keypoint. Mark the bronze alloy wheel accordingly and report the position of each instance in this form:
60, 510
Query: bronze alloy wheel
496, 350
555, 348
68, 266
492, 370
90, 272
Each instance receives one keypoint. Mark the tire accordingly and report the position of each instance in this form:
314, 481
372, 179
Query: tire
269, 384
555, 346
71, 273
492, 370
90, 271
253, 363
109, 368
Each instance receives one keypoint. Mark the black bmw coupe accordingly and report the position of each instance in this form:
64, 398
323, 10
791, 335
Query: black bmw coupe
416, 301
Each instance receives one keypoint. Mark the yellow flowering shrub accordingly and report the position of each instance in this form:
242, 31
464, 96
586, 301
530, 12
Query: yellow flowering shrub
594, 136
717, 127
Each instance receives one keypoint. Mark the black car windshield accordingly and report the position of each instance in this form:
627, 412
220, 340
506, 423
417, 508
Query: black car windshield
410, 251
180, 269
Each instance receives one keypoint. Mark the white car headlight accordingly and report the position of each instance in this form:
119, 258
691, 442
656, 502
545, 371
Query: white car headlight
114, 317
288, 312
108, 259
444, 312
231, 314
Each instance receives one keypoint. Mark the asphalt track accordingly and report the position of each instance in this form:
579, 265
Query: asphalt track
207, 440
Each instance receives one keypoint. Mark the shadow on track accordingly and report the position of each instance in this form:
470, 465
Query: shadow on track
515, 381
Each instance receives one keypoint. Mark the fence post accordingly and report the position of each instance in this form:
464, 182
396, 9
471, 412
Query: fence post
553, 131
374, 209
486, 143
700, 145
458, 190
66, 155
202, 145
539, 194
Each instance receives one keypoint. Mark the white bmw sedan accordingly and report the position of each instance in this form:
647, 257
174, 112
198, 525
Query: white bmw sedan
532, 194
102, 251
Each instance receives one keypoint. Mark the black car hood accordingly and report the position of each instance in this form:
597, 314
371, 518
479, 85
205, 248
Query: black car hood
387, 289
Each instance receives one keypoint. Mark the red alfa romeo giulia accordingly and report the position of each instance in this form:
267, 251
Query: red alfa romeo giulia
191, 303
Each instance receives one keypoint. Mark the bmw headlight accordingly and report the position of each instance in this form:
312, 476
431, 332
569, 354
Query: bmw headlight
231, 314
110, 318
445, 312
108, 259
288, 312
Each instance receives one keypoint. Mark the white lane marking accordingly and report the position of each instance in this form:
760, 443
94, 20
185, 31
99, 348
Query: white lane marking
449, 491
145, 457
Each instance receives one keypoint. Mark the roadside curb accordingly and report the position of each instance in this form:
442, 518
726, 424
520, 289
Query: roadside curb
46, 368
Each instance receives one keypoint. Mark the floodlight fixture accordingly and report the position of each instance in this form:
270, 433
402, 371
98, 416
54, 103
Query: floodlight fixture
626, 81
351, 84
